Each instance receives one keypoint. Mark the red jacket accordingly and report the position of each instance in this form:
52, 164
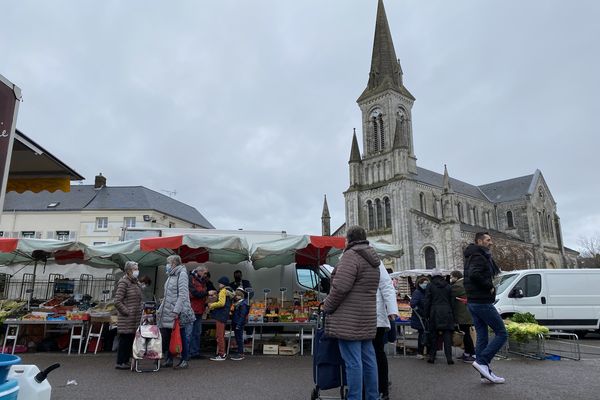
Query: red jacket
198, 293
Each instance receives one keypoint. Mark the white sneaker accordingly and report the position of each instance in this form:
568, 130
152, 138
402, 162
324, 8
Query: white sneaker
484, 370
497, 379
420, 356
218, 358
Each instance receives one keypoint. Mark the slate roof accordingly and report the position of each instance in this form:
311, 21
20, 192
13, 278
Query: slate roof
85, 198
435, 179
508, 190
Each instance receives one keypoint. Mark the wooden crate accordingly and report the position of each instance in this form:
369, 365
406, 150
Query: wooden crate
271, 349
290, 350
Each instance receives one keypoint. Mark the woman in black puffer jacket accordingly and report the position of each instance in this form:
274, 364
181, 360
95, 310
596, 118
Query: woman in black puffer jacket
438, 308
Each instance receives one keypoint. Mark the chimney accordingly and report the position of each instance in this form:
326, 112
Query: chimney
100, 181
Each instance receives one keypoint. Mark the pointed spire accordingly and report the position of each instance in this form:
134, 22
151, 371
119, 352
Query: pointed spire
385, 72
354, 152
325, 213
325, 219
446, 186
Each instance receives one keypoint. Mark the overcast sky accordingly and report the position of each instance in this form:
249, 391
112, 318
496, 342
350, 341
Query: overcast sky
246, 108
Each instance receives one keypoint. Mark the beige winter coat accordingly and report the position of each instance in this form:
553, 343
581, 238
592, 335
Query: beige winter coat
351, 306
128, 302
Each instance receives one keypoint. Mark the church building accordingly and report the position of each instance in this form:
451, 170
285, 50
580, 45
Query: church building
431, 215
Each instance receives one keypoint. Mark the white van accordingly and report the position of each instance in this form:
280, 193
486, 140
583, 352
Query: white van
567, 299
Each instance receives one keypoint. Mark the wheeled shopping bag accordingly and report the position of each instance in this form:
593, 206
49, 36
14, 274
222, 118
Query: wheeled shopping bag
329, 371
147, 344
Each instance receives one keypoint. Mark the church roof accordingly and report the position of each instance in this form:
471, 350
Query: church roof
86, 197
508, 190
435, 179
386, 72
494, 233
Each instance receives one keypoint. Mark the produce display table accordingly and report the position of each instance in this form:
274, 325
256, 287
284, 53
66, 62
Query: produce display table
299, 326
14, 325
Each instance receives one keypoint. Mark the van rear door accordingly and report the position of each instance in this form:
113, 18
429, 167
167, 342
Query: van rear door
531, 297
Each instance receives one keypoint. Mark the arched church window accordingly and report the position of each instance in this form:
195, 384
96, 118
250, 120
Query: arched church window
375, 134
429, 254
381, 132
371, 215
549, 223
388, 212
459, 211
379, 213
422, 202
475, 216
509, 219
378, 133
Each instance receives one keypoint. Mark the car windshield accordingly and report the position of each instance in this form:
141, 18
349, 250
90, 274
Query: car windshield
503, 281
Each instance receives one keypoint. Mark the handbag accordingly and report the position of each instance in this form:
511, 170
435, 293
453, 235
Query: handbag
457, 338
175, 344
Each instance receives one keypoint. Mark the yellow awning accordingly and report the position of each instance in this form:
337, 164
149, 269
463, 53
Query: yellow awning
37, 185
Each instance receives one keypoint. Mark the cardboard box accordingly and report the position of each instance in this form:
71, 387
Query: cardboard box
289, 350
272, 349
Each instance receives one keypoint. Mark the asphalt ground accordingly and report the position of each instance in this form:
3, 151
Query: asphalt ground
281, 377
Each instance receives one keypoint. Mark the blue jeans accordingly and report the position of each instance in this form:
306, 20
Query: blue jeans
239, 337
186, 333
195, 336
485, 315
361, 365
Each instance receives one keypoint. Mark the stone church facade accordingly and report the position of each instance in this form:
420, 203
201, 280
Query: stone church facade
431, 215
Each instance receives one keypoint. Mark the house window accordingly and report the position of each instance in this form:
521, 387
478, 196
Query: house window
28, 234
62, 235
388, 212
429, 257
371, 215
422, 202
509, 219
98, 243
129, 222
102, 223
379, 213
171, 224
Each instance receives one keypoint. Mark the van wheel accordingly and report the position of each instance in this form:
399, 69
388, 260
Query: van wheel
507, 315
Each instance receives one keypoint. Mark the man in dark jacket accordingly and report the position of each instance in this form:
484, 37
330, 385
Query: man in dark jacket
480, 270
351, 309
199, 287
438, 309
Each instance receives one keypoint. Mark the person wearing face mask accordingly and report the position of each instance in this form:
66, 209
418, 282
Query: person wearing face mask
128, 302
199, 287
176, 304
417, 303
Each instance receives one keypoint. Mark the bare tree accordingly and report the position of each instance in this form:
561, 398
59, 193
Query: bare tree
589, 251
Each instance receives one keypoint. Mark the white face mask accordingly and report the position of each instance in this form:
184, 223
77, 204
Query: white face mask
143, 286
168, 268
135, 274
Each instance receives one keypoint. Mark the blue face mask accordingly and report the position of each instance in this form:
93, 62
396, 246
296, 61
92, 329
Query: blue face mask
423, 286
168, 268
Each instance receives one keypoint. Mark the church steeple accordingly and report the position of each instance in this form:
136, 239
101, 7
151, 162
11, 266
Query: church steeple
385, 72
325, 219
